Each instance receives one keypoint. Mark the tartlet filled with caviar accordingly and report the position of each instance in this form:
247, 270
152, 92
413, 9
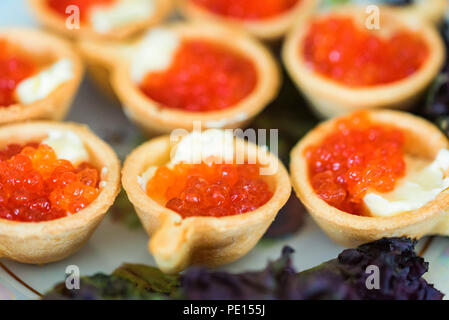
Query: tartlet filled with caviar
39, 75
374, 174
100, 19
265, 19
56, 183
204, 199
181, 73
342, 60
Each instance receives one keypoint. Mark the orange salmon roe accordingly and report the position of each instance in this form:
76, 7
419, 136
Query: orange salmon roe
337, 48
358, 156
247, 9
36, 186
203, 77
14, 67
209, 189
60, 6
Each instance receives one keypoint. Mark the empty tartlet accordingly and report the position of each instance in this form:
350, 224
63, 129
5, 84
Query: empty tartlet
100, 19
374, 174
39, 75
266, 20
199, 211
57, 181
186, 73
341, 65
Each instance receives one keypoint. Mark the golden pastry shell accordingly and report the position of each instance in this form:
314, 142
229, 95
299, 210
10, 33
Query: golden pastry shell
48, 241
56, 23
266, 29
153, 118
177, 243
43, 46
422, 139
431, 10
329, 98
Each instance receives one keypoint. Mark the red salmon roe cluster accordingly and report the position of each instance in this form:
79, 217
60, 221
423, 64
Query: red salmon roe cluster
248, 9
215, 190
60, 6
14, 67
37, 186
358, 156
203, 77
339, 49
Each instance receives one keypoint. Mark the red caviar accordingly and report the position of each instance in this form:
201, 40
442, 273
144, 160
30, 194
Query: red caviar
37, 186
14, 67
203, 77
248, 9
60, 6
339, 49
358, 156
215, 190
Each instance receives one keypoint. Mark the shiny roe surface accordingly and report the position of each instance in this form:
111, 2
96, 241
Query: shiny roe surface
356, 157
247, 9
209, 189
204, 76
60, 6
338, 48
37, 186
14, 67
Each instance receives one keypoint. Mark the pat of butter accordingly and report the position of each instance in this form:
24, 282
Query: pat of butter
197, 147
67, 145
213, 145
414, 191
42, 84
120, 13
155, 52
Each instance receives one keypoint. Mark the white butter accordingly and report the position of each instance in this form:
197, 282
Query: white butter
145, 177
212, 144
67, 145
414, 191
155, 52
42, 84
105, 18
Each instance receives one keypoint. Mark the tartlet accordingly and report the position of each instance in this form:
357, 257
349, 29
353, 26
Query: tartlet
266, 29
431, 10
422, 139
176, 242
57, 23
152, 117
45, 48
330, 98
49, 241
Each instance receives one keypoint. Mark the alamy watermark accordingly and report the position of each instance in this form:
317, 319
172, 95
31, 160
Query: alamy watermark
200, 147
